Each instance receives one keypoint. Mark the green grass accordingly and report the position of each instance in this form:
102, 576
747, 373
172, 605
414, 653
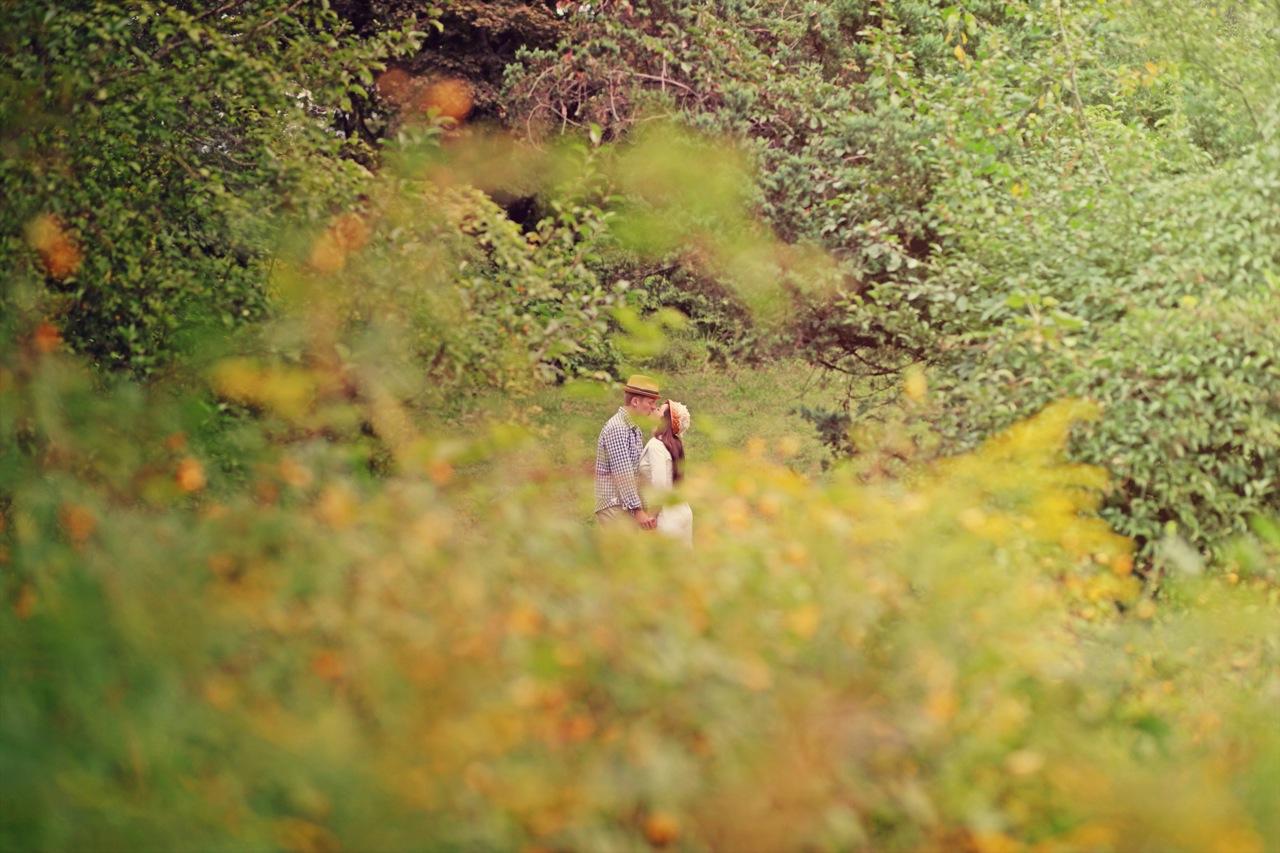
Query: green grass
731, 408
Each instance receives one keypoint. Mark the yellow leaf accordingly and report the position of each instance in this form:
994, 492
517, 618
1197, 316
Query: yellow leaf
960, 54
1024, 762
915, 385
804, 620
524, 620
336, 507
995, 842
941, 705
756, 675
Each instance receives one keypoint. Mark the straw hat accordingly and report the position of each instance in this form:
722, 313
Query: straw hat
680, 417
645, 386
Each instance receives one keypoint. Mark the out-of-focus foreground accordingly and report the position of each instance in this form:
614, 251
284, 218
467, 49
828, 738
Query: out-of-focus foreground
296, 427
318, 659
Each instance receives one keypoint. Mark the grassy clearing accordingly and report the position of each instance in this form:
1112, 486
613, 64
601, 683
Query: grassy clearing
732, 408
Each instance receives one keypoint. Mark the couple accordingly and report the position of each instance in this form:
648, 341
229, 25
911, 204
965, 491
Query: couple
625, 465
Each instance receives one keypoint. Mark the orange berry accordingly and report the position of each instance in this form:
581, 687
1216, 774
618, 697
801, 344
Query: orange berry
451, 98
46, 338
222, 565
393, 84
1122, 565
25, 603
78, 521
661, 829
295, 474
440, 472
577, 728
328, 665
350, 232
190, 475
266, 492
63, 259
524, 620
57, 249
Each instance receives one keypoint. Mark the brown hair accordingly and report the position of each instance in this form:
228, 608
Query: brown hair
675, 446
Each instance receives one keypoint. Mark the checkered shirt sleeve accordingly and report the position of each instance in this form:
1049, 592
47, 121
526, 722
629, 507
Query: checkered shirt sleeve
617, 455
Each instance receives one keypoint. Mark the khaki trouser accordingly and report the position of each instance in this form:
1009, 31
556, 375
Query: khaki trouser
614, 514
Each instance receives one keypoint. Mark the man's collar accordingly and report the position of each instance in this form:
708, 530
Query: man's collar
626, 417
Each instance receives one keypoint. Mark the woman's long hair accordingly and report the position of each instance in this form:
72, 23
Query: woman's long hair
667, 435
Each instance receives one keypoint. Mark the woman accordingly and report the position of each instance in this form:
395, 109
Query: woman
661, 467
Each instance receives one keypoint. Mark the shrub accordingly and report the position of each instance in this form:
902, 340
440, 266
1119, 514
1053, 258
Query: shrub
167, 143
321, 658
720, 325
434, 650
1095, 251
1191, 412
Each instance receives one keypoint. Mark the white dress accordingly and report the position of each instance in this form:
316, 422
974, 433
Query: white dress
657, 478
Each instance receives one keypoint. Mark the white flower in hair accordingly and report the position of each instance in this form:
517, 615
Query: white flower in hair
680, 418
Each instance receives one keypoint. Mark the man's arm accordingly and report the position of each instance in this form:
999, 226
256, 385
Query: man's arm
622, 467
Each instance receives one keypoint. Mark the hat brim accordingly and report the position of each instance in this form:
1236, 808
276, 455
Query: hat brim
643, 392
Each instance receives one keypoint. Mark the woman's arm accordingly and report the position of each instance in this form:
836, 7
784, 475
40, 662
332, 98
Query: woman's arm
660, 458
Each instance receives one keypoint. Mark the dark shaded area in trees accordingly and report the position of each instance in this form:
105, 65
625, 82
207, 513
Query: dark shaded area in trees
479, 39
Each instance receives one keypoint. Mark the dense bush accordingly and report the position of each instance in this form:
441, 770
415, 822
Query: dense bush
1144, 279
388, 630
320, 659
721, 328
1192, 409
298, 591
167, 139
815, 95
986, 181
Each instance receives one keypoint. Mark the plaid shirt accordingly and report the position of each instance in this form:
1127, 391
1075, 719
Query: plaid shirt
617, 457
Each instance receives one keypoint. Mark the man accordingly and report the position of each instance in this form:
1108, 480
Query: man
618, 455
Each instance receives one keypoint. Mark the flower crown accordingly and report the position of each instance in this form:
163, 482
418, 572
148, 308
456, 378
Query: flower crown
680, 418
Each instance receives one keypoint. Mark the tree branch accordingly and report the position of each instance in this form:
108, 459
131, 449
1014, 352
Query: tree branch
1075, 93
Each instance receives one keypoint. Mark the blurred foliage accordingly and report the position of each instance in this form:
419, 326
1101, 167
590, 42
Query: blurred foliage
317, 659
297, 590
385, 631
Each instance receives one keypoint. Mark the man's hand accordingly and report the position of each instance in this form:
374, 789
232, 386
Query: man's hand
646, 521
